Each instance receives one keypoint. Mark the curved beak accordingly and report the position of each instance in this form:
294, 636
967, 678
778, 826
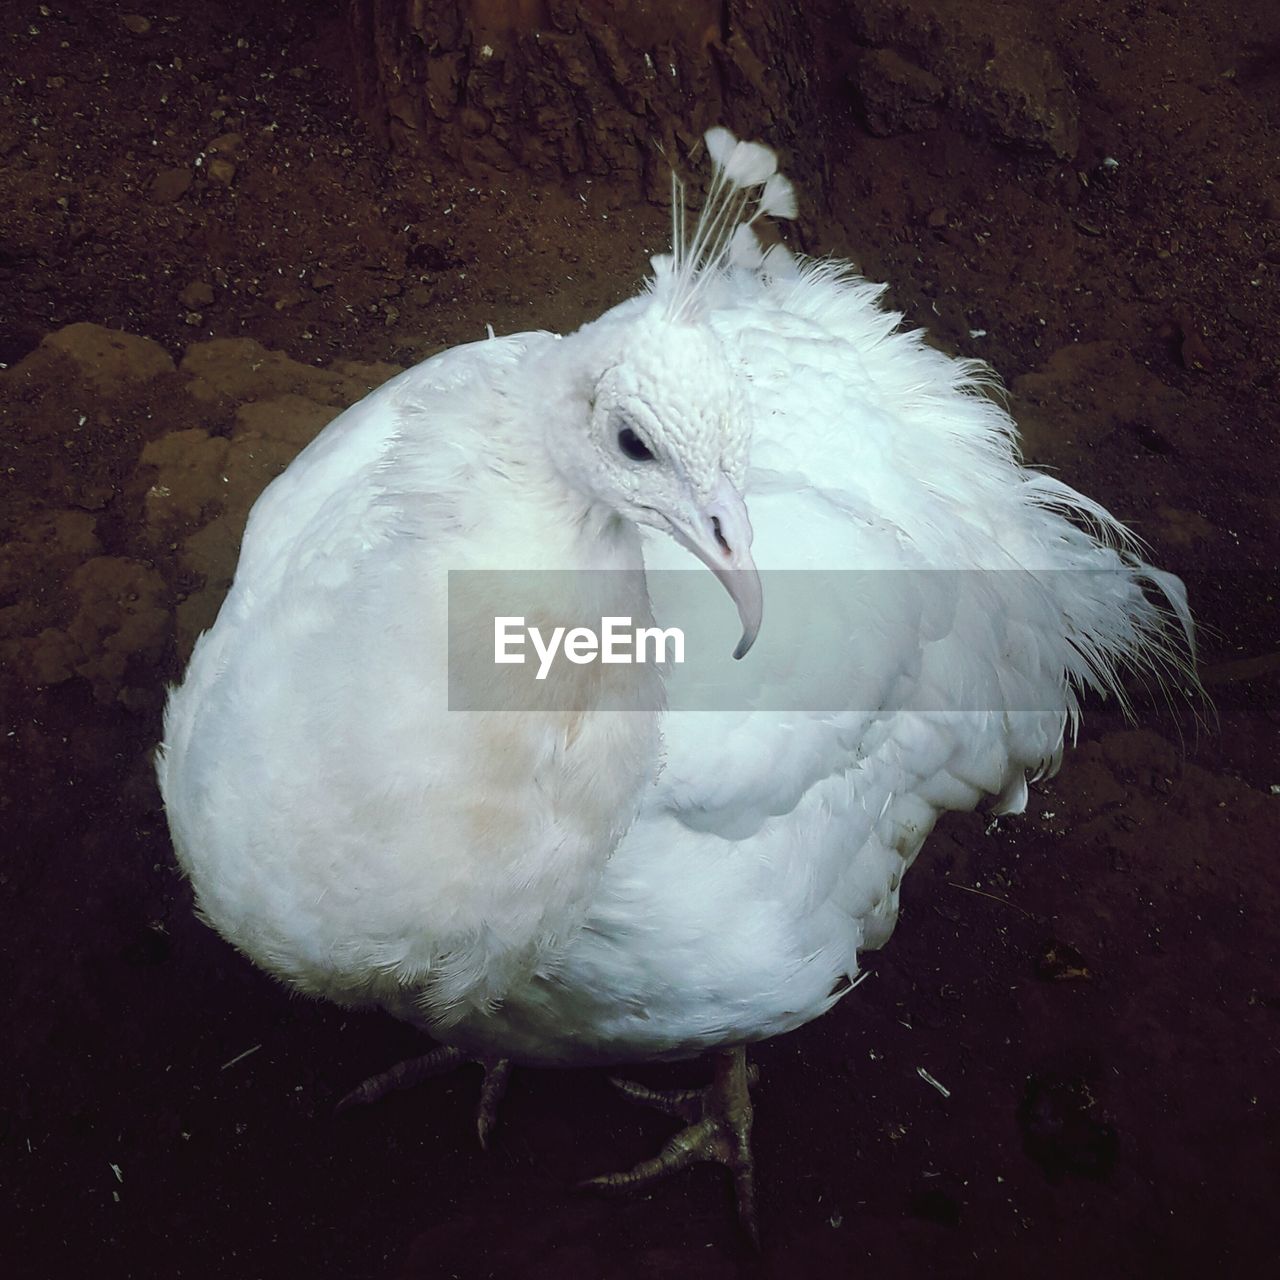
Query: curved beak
720, 536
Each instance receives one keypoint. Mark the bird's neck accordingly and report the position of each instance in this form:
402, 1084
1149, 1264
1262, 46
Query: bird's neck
539, 515
558, 765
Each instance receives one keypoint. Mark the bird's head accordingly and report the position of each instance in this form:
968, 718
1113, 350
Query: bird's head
667, 432
666, 447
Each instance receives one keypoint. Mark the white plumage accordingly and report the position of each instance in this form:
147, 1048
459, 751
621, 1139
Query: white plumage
583, 886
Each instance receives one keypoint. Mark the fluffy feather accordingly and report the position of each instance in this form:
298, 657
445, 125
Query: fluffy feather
566, 889
778, 199
722, 235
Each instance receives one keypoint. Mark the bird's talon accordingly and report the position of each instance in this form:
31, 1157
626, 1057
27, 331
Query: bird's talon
719, 1132
685, 1103
404, 1075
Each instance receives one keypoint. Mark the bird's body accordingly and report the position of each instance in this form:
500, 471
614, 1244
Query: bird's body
580, 884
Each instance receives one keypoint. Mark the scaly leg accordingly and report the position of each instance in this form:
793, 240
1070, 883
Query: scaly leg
404, 1075
719, 1130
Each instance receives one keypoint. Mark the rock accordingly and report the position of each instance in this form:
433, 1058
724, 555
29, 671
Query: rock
197, 294
169, 185
107, 359
221, 170
896, 96
1061, 962
135, 24
997, 81
1023, 93
1192, 348
225, 144
91, 497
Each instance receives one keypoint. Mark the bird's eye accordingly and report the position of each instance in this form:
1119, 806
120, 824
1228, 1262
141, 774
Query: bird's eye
633, 446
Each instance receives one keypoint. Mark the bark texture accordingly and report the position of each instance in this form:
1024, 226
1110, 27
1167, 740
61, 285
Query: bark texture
562, 88
622, 88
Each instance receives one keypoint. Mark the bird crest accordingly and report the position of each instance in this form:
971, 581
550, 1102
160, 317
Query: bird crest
745, 187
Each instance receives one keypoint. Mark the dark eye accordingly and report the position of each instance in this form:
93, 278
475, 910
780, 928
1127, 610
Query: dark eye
633, 446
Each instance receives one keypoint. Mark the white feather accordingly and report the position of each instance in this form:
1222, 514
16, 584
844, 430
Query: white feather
778, 199
741, 164
720, 143
750, 164
744, 248
352, 836
779, 263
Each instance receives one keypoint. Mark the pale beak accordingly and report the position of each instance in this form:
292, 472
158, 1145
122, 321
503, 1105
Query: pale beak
720, 536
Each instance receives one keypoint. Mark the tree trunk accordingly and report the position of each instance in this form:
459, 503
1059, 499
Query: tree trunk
569, 88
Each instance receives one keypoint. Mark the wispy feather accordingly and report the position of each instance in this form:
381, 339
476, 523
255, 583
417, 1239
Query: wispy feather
723, 236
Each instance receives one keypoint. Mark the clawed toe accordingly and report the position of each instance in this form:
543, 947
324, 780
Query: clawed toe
718, 1131
404, 1075
717, 1119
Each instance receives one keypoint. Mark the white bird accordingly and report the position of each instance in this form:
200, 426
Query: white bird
656, 864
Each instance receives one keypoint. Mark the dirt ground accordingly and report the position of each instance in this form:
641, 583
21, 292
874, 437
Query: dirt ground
204, 256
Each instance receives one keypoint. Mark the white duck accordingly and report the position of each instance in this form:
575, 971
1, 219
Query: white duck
572, 883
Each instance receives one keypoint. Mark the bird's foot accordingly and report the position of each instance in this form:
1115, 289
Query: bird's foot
718, 1130
404, 1075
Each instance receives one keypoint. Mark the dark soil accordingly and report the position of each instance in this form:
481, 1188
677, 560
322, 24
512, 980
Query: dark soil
1096, 984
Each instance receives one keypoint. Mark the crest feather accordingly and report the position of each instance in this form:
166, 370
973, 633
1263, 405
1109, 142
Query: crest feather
719, 143
778, 199
749, 164
744, 248
724, 237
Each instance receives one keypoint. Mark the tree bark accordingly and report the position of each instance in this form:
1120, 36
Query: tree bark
569, 88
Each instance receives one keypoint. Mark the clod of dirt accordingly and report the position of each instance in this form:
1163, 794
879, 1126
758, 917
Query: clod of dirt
999, 80
225, 144
110, 361
202, 485
197, 294
120, 610
222, 171
170, 184
1061, 962
896, 95
1192, 348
